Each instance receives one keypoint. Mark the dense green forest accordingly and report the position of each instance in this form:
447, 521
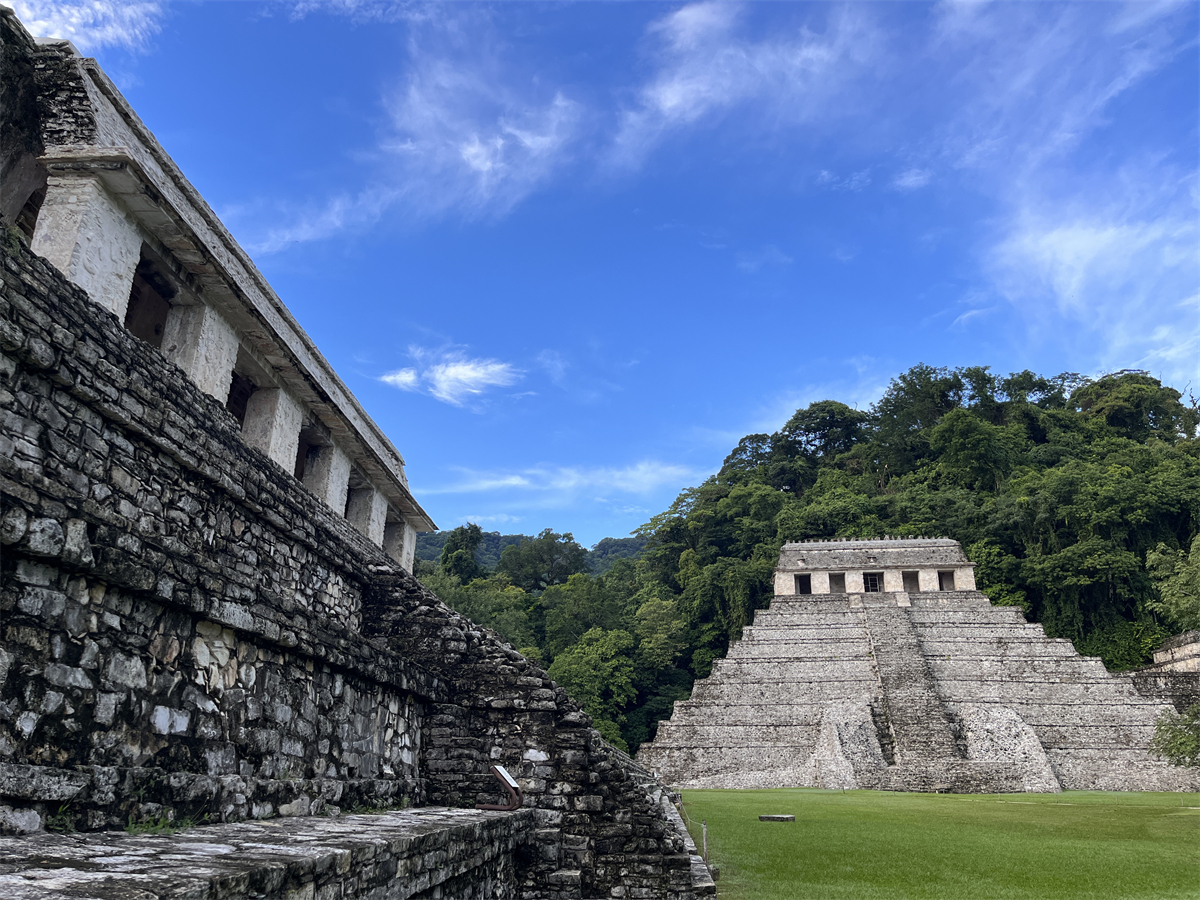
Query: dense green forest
492, 543
1078, 499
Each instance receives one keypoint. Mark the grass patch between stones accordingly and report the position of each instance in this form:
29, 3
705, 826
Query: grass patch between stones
861, 845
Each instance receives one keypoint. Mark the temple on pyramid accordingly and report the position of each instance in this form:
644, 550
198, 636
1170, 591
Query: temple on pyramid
879, 665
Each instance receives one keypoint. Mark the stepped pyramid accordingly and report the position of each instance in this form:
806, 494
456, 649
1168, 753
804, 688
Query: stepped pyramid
879, 665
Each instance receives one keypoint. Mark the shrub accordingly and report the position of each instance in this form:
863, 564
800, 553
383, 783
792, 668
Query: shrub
1177, 737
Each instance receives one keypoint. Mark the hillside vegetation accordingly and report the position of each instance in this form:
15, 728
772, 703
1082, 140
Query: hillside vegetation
1078, 499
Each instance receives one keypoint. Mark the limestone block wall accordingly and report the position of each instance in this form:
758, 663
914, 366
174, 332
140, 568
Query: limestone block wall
1180, 653
601, 825
174, 608
86, 234
186, 630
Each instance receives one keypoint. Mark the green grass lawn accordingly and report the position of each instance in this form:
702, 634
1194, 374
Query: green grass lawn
870, 844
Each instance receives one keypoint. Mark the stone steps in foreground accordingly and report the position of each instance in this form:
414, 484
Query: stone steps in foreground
408, 853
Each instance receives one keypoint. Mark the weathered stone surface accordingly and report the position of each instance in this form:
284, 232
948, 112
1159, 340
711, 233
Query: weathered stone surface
187, 630
210, 639
908, 690
410, 855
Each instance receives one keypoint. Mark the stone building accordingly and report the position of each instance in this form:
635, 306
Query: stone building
879, 665
206, 612
98, 197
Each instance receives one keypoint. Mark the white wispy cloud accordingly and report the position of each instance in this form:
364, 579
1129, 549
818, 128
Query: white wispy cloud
704, 67
405, 379
499, 518
855, 181
461, 140
1037, 79
362, 10
640, 478
1125, 279
92, 24
912, 179
1095, 250
451, 376
768, 256
469, 132
554, 365
314, 222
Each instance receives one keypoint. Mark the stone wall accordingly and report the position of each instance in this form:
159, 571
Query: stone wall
1175, 675
602, 829
99, 198
174, 608
188, 631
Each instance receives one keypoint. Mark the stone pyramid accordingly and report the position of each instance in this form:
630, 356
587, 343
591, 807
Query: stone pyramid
879, 665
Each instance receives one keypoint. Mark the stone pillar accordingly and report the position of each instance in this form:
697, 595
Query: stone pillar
820, 582
410, 547
329, 477
88, 237
854, 583
400, 543
366, 510
273, 425
200, 341
893, 580
964, 579
928, 579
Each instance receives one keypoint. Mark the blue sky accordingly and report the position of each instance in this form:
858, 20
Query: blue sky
568, 254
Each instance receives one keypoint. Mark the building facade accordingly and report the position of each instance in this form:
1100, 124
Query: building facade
97, 196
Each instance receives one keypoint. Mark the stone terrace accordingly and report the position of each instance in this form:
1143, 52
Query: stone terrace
923, 689
392, 856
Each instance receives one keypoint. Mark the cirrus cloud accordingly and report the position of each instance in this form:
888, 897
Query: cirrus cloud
92, 24
449, 375
643, 477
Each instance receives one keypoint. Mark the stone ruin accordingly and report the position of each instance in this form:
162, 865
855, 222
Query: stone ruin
879, 665
206, 606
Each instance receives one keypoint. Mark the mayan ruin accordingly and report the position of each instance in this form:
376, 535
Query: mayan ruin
239, 658
207, 602
879, 665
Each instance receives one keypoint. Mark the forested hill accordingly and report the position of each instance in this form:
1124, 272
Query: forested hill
1079, 500
492, 543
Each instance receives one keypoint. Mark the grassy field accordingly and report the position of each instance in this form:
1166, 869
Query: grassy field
867, 844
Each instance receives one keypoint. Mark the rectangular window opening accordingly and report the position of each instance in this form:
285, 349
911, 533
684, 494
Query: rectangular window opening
803, 584
308, 448
912, 582
240, 389
837, 582
302, 450
945, 581
873, 582
149, 305
358, 487
28, 216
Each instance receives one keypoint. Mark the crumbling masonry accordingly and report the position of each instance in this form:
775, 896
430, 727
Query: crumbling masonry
205, 604
879, 665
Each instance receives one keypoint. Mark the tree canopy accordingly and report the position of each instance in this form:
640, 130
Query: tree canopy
1078, 500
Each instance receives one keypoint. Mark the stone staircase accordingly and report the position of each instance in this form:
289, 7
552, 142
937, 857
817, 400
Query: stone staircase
919, 724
